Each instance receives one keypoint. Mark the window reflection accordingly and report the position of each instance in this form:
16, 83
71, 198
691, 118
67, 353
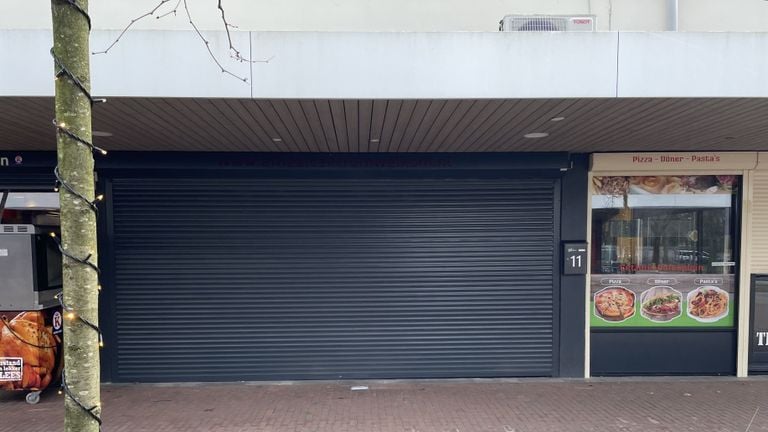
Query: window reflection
663, 240
635, 231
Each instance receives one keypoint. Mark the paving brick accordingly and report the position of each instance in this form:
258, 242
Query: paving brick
625, 405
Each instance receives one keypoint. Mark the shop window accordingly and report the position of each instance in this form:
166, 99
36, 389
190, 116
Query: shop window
663, 251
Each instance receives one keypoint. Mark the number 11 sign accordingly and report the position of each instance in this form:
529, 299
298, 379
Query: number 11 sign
574, 258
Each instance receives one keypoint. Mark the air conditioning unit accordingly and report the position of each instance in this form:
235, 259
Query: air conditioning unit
547, 23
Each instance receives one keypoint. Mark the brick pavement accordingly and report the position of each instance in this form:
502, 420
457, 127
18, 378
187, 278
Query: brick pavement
627, 405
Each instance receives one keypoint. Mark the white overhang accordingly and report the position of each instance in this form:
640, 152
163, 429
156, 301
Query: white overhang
316, 65
398, 92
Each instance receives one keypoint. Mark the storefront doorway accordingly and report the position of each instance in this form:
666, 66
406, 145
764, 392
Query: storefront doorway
664, 274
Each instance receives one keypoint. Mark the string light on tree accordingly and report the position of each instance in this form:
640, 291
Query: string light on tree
62, 130
64, 78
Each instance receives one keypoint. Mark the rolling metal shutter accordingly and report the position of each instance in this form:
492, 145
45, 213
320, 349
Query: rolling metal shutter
27, 180
300, 279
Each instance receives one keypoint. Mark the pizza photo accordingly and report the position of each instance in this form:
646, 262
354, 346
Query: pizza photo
614, 304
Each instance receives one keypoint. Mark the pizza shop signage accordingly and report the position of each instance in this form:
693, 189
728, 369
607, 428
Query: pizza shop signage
675, 161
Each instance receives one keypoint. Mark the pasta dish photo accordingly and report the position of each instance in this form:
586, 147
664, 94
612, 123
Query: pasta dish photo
707, 304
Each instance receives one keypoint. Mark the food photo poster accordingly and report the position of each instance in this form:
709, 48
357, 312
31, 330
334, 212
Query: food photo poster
685, 289
662, 300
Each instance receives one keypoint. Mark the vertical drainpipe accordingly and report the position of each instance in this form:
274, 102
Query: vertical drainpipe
672, 13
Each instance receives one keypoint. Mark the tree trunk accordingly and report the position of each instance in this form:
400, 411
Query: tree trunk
78, 222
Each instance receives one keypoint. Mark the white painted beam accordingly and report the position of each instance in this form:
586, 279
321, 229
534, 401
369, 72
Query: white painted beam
169, 63
312, 65
435, 65
673, 64
144, 63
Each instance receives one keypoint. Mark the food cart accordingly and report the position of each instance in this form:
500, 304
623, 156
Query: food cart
30, 279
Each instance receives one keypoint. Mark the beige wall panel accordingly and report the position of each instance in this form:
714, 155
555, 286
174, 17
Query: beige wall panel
633, 15
758, 237
723, 15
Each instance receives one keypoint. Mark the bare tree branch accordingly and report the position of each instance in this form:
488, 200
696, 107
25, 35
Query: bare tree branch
135, 20
208, 46
175, 8
233, 51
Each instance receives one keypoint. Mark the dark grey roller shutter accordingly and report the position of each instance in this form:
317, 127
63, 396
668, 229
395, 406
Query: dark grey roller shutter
300, 279
27, 180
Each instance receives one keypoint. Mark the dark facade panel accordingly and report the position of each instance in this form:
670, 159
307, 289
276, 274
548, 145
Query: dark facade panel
258, 279
573, 229
664, 353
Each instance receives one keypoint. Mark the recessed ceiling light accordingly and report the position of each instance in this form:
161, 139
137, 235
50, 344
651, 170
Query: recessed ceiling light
277, 139
374, 140
536, 135
101, 133
557, 119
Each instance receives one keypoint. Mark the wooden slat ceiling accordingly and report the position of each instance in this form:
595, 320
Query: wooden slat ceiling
467, 125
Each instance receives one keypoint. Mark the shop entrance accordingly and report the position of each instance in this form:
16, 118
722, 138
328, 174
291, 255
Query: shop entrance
664, 268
